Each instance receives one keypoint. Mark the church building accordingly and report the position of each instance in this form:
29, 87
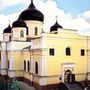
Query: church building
43, 59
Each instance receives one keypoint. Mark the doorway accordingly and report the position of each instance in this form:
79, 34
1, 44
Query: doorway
66, 75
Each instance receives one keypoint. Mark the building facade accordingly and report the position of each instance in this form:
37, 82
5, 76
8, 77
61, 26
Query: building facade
43, 59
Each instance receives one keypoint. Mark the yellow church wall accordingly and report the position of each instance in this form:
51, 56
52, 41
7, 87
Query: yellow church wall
17, 55
17, 62
27, 75
36, 57
60, 53
81, 77
54, 63
67, 33
53, 79
26, 57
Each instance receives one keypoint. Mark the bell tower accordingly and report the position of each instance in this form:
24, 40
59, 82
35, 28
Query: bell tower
7, 34
34, 20
19, 29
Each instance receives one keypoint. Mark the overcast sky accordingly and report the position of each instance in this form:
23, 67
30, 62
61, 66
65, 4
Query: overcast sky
72, 14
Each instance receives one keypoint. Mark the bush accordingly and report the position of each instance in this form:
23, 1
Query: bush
14, 84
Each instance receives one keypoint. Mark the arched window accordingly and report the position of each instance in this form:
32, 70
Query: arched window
21, 33
24, 65
68, 51
36, 67
36, 30
28, 64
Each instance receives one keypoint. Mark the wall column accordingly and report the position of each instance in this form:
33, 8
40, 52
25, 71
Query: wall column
43, 80
3, 60
11, 67
88, 53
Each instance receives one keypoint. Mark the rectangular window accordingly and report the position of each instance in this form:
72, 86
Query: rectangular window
82, 52
51, 52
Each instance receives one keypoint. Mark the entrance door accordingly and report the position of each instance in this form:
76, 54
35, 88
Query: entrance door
66, 75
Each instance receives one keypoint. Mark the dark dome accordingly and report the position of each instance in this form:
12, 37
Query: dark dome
31, 13
55, 27
19, 23
8, 29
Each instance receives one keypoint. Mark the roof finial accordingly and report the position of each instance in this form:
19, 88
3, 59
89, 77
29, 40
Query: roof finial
31, 5
9, 22
31, 1
56, 18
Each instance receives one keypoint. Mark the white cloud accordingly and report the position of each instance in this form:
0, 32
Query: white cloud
4, 21
7, 3
86, 14
50, 10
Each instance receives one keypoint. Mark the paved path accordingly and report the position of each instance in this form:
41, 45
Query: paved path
24, 86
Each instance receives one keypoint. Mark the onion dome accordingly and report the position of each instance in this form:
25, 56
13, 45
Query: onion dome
31, 13
8, 29
19, 23
55, 27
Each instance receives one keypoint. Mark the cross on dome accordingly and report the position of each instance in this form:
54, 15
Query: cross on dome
56, 18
